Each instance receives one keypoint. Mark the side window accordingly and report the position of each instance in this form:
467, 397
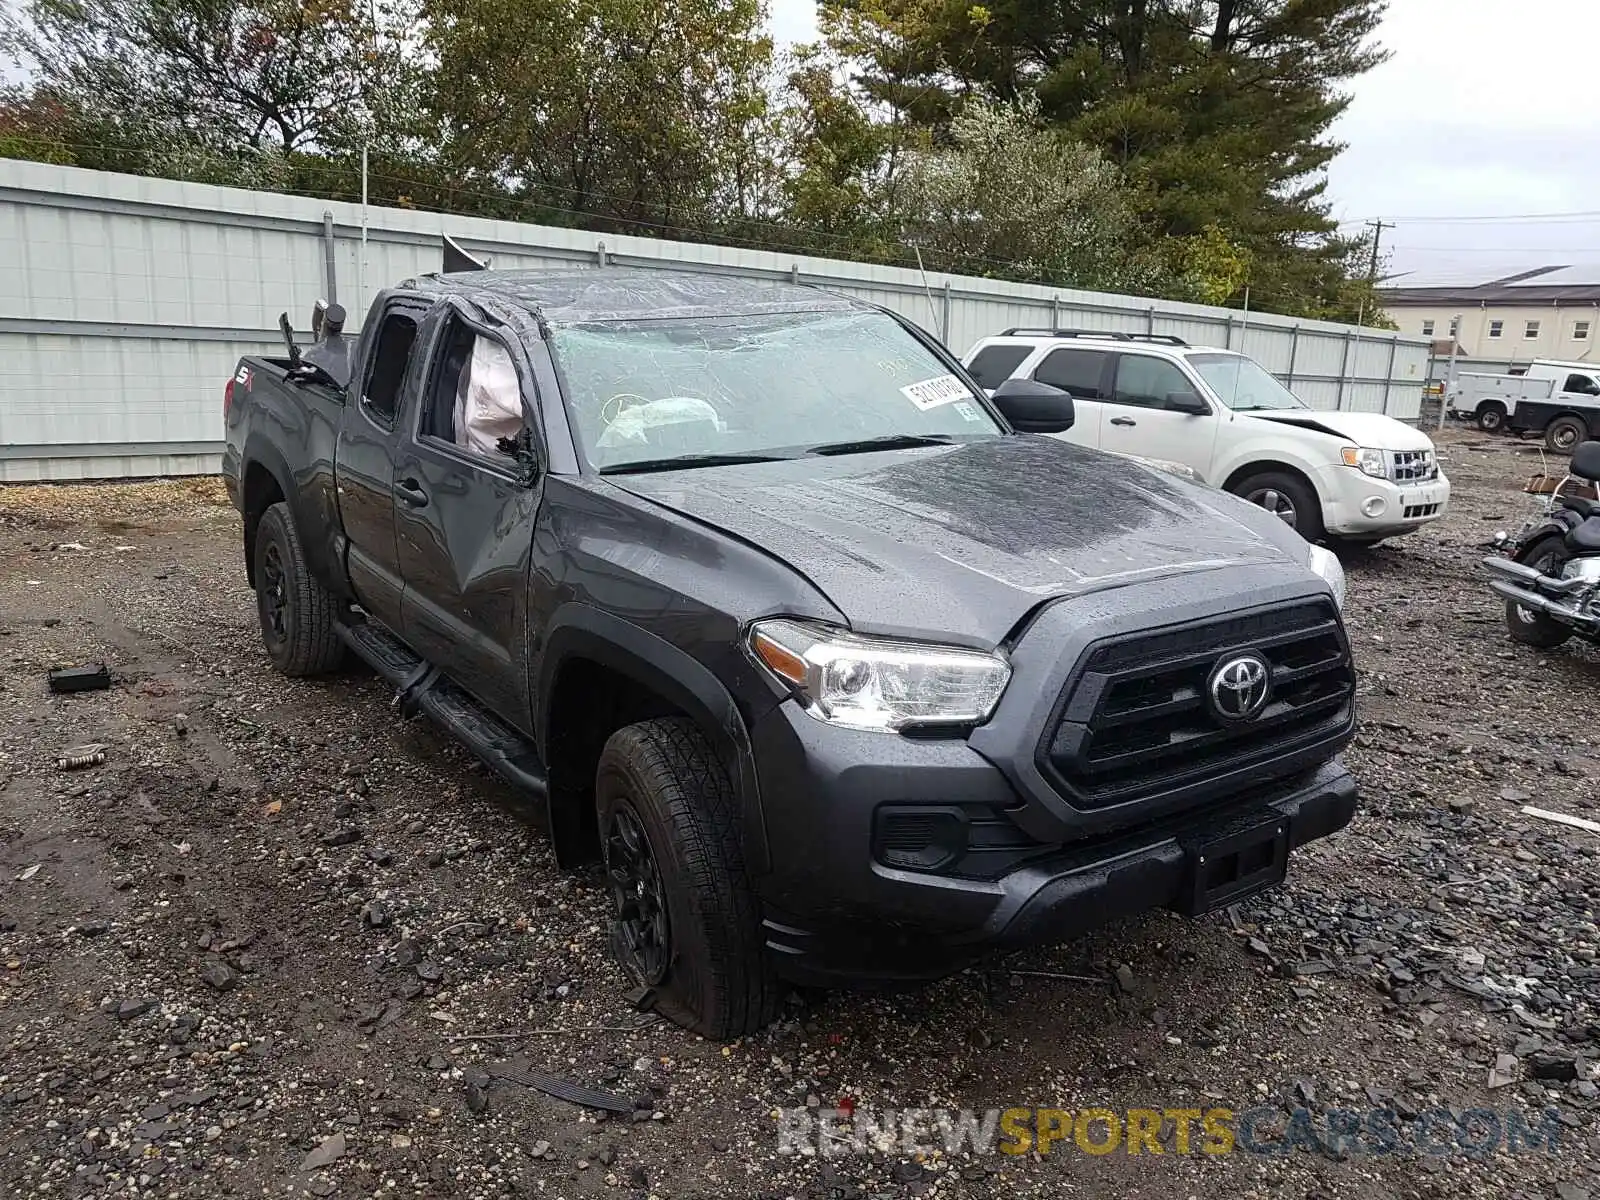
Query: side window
1076, 371
473, 399
1146, 382
390, 354
1583, 385
993, 365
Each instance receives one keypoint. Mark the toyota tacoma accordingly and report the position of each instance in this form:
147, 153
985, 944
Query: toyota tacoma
842, 671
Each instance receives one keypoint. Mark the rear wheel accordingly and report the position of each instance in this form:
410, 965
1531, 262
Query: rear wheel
1492, 417
1287, 498
1563, 435
1523, 624
298, 615
684, 917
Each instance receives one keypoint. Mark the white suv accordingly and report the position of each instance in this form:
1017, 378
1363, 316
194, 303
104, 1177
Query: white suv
1357, 477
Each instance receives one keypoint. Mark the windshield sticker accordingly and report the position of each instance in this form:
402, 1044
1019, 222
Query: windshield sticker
931, 393
968, 411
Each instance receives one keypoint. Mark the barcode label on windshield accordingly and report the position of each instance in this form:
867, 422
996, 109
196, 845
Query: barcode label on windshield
931, 393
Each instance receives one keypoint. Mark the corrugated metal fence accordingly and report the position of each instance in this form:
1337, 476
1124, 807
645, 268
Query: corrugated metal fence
125, 301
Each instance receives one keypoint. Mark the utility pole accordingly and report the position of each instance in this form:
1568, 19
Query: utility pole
1377, 228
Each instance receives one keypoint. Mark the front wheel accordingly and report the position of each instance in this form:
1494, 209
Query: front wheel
1287, 498
1563, 435
685, 923
1523, 624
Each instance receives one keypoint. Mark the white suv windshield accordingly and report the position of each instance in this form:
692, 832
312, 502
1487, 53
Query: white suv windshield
666, 393
1242, 383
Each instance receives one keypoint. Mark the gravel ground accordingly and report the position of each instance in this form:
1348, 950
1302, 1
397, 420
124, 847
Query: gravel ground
280, 942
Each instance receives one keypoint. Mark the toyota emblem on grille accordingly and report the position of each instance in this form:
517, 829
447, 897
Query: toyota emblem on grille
1239, 687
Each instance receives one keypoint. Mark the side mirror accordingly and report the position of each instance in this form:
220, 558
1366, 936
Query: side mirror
1034, 407
1188, 402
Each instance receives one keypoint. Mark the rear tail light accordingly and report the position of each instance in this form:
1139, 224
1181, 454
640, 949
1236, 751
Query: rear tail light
227, 398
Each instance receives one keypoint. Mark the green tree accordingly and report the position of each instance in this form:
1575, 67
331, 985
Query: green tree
625, 112
229, 76
1216, 111
1004, 194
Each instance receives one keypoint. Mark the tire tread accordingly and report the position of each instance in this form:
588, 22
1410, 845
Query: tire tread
697, 802
314, 647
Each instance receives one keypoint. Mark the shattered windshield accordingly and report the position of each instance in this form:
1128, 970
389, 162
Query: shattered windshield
1242, 383
663, 393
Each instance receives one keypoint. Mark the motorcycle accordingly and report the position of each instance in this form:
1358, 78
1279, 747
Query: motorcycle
1549, 573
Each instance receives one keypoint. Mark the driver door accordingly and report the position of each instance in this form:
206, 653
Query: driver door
1138, 418
464, 530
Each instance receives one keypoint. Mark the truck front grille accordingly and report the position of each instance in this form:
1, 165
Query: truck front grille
1135, 721
1412, 466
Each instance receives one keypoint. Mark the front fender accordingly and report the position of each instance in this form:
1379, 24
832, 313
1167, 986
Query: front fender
579, 631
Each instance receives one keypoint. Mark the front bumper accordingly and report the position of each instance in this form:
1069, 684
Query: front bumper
834, 913
1358, 505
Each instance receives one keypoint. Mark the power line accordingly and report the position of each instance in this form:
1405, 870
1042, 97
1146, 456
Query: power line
1567, 250
1549, 218
1377, 228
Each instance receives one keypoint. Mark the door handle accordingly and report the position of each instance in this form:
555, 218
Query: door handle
409, 491
1123, 421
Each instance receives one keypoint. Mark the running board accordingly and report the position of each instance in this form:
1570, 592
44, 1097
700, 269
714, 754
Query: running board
421, 687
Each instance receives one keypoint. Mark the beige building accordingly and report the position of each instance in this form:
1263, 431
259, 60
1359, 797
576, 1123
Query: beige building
1550, 312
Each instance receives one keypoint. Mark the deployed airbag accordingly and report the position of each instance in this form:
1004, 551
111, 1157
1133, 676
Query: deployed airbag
489, 400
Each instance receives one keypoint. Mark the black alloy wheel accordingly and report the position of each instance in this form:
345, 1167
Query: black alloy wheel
643, 929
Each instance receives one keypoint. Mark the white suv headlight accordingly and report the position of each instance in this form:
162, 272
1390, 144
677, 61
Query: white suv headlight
1367, 460
876, 683
1326, 564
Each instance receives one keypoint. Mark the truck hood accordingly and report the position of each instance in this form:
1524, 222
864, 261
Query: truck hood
960, 543
1364, 429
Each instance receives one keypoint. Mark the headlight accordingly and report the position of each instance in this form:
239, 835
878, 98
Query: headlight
875, 683
1326, 564
1367, 460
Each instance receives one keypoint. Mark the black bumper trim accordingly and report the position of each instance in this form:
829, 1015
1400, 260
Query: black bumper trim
1049, 900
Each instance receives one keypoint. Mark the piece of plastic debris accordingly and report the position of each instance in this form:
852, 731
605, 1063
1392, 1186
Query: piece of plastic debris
1562, 818
561, 1089
92, 678
29, 872
91, 754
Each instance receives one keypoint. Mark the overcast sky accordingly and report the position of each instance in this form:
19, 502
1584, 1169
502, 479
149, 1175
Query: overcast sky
1488, 108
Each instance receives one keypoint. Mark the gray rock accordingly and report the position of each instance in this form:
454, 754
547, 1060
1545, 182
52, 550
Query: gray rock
1553, 1065
329, 1152
219, 975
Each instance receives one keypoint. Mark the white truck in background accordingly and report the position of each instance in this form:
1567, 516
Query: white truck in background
1560, 400
1487, 400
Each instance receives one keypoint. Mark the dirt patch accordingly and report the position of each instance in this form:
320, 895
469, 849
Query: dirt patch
282, 942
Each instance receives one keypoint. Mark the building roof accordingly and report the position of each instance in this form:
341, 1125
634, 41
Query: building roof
1542, 285
619, 293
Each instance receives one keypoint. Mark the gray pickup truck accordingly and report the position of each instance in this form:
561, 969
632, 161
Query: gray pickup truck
843, 672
